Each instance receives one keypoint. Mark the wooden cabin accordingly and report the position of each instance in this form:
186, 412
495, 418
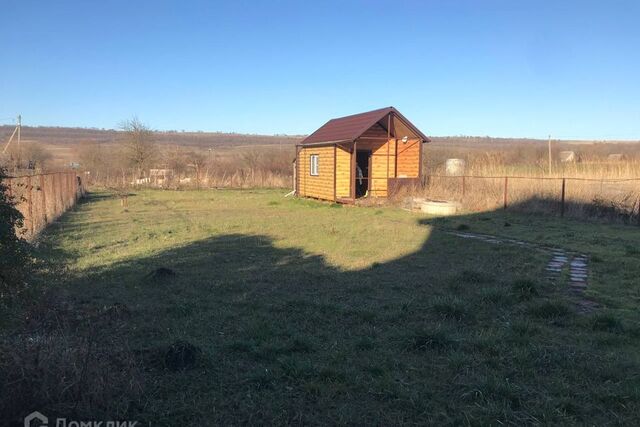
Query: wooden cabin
363, 155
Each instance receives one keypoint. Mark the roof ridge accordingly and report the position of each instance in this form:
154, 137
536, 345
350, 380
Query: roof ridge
363, 113
349, 128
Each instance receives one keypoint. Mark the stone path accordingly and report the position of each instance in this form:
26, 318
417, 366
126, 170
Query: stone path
560, 259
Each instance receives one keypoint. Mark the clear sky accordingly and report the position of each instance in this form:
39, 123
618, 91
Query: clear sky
499, 68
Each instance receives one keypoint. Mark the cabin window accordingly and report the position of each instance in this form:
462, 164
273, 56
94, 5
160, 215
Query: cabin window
313, 168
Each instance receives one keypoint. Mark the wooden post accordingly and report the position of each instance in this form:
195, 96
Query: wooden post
335, 172
54, 195
30, 201
562, 198
69, 198
463, 186
388, 137
506, 186
61, 189
69, 195
65, 189
44, 198
353, 171
9, 189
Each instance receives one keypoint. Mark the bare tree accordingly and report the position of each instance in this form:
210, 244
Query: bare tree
197, 161
138, 145
176, 159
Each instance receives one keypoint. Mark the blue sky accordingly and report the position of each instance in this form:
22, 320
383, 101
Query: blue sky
501, 68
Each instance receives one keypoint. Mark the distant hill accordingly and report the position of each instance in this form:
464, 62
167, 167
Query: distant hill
62, 143
72, 136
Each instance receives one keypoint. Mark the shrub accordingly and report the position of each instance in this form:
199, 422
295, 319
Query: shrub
15, 256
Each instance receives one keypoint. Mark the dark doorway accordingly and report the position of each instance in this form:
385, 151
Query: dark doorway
363, 164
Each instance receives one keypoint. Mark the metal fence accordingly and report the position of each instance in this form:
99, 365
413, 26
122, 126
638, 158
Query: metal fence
43, 198
605, 198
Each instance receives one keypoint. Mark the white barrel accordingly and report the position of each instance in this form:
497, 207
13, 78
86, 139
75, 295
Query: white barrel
454, 167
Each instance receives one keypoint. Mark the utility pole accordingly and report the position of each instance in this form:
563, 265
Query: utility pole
549, 144
16, 130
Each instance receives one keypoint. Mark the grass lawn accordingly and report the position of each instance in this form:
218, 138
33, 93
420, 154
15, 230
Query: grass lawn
309, 313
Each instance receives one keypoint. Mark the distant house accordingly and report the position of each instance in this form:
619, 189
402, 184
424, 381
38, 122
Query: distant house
568, 157
360, 155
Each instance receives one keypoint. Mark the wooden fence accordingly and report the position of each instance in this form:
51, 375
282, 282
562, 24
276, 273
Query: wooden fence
43, 198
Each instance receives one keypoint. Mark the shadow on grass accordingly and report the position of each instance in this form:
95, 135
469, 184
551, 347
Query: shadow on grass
442, 335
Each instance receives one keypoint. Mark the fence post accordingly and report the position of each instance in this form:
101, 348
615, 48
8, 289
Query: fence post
71, 201
9, 183
506, 186
61, 190
44, 199
54, 194
30, 188
463, 186
562, 198
66, 190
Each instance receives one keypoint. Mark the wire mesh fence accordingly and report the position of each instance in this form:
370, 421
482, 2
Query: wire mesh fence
43, 198
610, 199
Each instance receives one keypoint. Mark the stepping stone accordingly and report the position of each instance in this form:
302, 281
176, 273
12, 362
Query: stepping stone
586, 306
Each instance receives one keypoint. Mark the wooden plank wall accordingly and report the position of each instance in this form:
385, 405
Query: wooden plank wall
321, 186
343, 172
409, 159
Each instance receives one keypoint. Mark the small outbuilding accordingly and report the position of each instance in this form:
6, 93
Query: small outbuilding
360, 155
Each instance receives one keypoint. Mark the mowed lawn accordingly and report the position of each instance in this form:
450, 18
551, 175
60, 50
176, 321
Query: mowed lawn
308, 313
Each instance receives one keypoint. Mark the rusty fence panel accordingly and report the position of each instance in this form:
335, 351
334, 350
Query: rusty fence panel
43, 198
574, 197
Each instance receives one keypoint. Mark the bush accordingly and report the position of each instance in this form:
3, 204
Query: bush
15, 256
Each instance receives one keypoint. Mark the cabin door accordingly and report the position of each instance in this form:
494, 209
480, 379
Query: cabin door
363, 173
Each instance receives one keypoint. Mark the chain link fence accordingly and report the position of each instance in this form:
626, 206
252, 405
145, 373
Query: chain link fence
43, 198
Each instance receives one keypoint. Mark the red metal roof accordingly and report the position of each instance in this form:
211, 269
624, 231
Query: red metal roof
352, 127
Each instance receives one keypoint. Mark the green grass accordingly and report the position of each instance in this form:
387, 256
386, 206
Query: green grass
306, 314
614, 250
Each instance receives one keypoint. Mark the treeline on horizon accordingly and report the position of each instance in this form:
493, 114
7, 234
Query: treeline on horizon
73, 135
